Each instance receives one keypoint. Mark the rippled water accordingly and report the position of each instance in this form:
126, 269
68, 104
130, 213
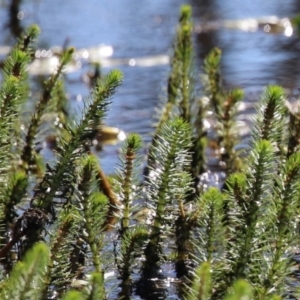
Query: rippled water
134, 29
137, 29
251, 60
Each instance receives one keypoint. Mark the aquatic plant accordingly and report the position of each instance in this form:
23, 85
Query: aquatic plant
181, 97
131, 237
224, 105
168, 184
65, 222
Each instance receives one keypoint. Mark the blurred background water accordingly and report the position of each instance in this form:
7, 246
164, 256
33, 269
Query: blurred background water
252, 57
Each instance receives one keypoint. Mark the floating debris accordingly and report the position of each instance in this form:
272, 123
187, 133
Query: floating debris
268, 24
110, 135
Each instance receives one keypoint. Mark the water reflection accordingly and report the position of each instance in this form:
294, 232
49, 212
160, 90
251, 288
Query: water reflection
251, 60
253, 57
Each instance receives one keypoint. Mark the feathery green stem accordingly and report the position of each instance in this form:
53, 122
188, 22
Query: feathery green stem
128, 178
27, 274
172, 158
28, 151
201, 285
61, 177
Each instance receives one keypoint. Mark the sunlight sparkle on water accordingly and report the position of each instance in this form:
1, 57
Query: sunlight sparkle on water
288, 31
85, 54
21, 15
121, 135
267, 28
132, 62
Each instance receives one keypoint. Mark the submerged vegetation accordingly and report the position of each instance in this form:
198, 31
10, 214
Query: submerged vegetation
64, 224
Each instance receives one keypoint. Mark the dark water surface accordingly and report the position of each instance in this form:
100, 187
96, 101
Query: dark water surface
251, 59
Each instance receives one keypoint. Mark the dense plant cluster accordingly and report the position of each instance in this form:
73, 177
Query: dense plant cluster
64, 223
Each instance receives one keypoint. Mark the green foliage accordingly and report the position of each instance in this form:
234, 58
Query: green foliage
180, 79
58, 276
13, 91
181, 94
92, 292
74, 183
60, 178
25, 41
252, 205
211, 230
131, 238
271, 114
29, 155
294, 138
224, 104
91, 206
240, 290
127, 180
132, 243
172, 159
73, 295
235, 243
26, 279
201, 285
